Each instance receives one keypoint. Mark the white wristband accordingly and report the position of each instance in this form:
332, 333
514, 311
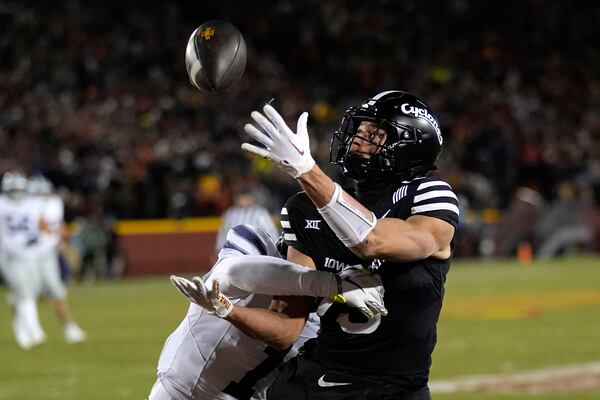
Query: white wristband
349, 223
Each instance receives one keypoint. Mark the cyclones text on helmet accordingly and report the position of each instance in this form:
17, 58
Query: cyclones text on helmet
413, 143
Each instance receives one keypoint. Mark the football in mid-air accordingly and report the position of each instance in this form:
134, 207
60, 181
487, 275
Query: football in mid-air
215, 56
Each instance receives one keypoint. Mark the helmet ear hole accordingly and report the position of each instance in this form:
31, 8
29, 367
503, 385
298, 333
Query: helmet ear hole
412, 145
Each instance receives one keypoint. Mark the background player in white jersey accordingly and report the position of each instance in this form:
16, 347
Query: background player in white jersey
50, 238
18, 237
208, 358
245, 210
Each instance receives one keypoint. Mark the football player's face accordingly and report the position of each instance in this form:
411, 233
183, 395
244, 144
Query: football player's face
368, 136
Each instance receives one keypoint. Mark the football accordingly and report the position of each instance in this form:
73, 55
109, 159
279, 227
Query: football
215, 56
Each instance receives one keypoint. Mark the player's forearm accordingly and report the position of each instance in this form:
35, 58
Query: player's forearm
275, 276
274, 329
317, 185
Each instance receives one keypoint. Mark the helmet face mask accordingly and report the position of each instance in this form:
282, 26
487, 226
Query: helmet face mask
412, 145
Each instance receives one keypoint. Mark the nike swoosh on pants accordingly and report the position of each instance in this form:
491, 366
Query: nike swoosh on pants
323, 383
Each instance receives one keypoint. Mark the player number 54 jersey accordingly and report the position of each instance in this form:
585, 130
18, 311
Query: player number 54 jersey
19, 232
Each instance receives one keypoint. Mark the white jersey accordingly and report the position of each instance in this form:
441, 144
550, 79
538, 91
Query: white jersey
254, 215
19, 227
51, 209
206, 357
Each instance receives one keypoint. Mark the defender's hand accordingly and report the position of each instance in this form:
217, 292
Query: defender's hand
215, 302
360, 289
221, 303
195, 291
289, 150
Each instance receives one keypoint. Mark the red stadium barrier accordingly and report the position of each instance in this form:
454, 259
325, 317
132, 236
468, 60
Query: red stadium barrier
161, 247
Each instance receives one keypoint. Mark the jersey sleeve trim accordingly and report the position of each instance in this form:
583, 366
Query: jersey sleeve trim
434, 193
434, 207
250, 237
436, 199
289, 235
429, 184
233, 246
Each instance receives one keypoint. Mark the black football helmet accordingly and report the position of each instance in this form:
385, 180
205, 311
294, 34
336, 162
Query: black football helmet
413, 143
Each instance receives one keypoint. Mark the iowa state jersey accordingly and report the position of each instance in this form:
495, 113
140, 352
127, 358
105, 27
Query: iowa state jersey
396, 348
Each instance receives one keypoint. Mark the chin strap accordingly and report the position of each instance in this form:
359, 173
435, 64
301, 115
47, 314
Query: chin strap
349, 219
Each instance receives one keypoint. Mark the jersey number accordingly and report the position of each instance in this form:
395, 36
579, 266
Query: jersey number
350, 320
244, 389
18, 225
360, 328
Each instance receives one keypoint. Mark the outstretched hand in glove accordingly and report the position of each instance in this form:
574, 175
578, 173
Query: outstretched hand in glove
213, 301
287, 149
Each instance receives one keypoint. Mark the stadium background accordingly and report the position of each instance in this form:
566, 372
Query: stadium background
95, 97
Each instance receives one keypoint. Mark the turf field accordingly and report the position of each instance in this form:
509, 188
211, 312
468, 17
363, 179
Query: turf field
499, 317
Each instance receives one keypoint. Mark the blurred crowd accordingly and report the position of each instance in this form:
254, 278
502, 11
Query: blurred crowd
96, 98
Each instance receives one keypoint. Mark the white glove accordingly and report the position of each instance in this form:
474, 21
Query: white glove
195, 291
214, 301
359, 289
289, 150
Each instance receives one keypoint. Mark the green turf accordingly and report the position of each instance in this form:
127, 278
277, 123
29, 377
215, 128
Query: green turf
548, 338
570, 335
128, 321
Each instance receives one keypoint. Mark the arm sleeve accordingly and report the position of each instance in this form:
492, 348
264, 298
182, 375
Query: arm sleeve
240, 275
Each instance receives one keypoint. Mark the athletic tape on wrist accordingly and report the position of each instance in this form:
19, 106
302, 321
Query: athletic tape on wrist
222, 305
350, 225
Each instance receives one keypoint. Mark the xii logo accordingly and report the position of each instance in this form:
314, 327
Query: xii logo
312, 224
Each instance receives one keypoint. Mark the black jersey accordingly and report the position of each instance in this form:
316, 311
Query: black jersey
396, 348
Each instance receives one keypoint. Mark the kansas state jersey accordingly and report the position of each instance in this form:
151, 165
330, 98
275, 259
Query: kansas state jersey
206, 357
51, 209
396, 348
19, 227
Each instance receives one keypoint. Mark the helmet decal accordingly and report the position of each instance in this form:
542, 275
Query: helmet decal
423, 113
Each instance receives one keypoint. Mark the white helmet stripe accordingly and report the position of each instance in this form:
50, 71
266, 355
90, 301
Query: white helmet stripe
377, 97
